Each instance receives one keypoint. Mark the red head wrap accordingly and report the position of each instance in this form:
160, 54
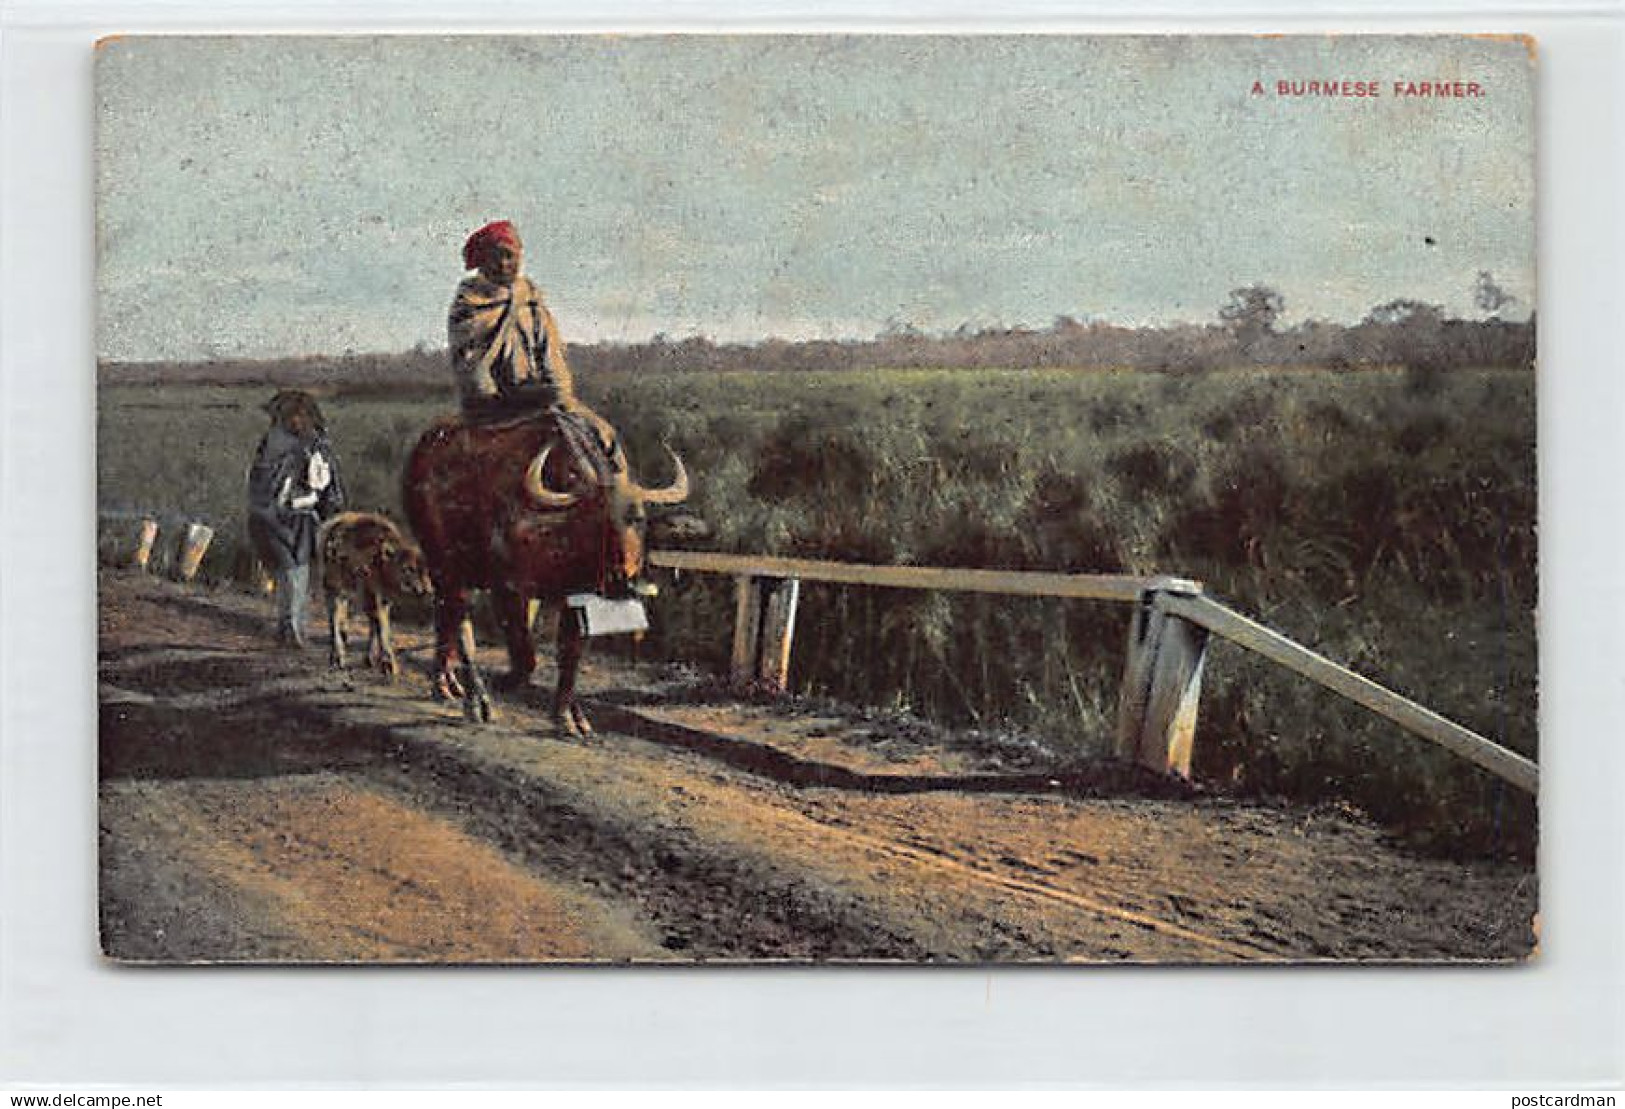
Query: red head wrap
485, 238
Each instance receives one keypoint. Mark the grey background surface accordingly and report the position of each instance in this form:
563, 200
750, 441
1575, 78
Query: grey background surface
67, 1019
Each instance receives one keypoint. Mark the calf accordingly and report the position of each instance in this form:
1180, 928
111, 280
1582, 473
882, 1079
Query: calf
365, 557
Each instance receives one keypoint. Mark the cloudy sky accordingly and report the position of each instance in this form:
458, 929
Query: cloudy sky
271, 196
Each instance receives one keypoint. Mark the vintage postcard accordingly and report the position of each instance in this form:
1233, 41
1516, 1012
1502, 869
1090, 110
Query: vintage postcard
716, 498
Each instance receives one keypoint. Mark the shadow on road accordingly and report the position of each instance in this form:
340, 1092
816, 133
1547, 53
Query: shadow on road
1101, 780
259, 740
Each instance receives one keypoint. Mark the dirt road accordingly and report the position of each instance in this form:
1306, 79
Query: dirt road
256, 807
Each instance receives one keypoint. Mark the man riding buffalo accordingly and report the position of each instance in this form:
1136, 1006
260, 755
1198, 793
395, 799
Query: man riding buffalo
505, 347
525, 494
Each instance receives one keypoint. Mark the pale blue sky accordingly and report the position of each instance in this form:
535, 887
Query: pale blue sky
263, 197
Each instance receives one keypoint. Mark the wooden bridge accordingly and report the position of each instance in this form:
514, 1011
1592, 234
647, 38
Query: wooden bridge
1162, 675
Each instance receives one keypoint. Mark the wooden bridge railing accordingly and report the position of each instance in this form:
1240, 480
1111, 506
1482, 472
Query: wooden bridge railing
1162, 675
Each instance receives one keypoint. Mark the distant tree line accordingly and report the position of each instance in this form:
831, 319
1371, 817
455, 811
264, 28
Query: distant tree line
1401, 332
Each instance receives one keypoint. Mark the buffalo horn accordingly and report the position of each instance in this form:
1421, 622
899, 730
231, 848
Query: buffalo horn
676, 492
538, 490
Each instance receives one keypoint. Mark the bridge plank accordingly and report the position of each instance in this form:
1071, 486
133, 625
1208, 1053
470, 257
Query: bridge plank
1099, 587
1415, 718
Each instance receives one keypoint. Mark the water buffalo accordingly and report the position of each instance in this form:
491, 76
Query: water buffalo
527, 509
366, 558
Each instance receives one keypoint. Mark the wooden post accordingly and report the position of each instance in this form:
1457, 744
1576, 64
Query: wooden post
145, 540
1135, 692
764, 624
1162, 684
195, 540
747, 628
778, 628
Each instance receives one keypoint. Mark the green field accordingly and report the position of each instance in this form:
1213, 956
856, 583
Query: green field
1385, 518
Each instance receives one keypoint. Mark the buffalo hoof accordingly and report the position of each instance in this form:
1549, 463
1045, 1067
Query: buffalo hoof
476, 701
477, 708
583, 725
572, 723
447, 687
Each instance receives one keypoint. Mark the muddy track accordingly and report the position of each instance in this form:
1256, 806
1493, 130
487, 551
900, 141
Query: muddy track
257, 808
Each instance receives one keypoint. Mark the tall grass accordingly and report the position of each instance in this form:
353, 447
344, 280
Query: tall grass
1388, 525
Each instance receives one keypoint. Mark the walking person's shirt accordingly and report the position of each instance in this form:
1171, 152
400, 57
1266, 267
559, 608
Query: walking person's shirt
293, 486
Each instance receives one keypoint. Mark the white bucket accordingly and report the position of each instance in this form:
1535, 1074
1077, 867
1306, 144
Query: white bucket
601, 616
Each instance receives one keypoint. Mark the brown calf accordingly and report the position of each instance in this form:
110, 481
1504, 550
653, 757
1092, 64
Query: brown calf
365, 557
